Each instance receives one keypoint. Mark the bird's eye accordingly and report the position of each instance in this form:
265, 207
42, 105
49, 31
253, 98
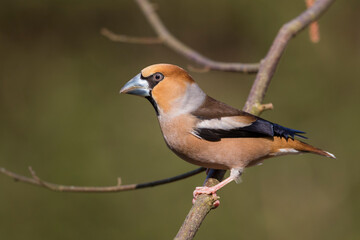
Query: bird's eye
158, 77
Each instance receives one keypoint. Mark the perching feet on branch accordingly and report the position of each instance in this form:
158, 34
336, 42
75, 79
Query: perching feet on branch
234, 176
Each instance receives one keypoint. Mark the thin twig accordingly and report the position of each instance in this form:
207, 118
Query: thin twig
182, 49
35, 180
263, 107
198, 69
270, 62
165, 37
126, 39
203, 205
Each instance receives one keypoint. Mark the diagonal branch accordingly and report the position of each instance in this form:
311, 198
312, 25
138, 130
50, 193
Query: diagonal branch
173, 43
270, 62
203, 205
36, 181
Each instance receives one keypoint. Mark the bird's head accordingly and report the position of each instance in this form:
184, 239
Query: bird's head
167, 87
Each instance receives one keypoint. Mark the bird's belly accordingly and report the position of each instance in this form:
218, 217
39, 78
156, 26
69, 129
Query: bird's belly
225, 154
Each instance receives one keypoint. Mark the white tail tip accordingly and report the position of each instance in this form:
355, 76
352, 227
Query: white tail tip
330, 155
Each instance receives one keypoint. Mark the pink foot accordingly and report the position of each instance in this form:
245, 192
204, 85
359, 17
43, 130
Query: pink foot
209, 191
204, 190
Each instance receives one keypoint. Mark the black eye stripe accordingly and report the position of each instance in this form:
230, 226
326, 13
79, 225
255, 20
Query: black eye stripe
153, 79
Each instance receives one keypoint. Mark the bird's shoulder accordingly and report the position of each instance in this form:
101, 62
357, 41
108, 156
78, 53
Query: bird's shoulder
213, 109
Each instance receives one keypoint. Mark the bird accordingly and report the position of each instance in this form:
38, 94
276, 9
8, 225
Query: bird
206, 132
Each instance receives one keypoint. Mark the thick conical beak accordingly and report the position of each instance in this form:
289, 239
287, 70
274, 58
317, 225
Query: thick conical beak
136, 86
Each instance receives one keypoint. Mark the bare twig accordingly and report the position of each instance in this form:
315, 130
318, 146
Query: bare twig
198, 69
35, 180
126, 39
203, 205
173, 43
263, 107
270, 62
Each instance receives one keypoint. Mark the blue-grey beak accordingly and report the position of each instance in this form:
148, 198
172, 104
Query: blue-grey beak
136, 86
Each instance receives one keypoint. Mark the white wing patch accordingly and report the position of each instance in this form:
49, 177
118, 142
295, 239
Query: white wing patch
285, 151
224, 123
288, 150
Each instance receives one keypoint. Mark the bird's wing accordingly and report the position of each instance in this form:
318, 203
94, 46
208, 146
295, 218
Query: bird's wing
217, 120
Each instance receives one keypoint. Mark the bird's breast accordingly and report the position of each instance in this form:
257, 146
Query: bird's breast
176, 131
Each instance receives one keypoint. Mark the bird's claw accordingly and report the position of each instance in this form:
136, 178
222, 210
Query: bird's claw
208, 191
204, 190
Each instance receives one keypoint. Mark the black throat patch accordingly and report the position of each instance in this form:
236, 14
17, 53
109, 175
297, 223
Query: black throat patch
153, 103
153, 80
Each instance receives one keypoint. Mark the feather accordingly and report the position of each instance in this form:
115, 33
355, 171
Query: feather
216, 120
287, 132
212, 109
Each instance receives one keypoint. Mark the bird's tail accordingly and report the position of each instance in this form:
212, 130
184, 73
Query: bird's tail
288, 146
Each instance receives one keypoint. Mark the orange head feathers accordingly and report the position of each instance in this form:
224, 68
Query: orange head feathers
164, 85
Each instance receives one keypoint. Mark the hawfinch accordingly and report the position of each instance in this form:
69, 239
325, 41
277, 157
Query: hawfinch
209, 133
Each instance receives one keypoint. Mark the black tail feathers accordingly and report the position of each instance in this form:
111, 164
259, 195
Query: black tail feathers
287, 132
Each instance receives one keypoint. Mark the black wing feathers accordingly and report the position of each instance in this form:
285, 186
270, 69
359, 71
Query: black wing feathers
215, 135
259, 128
213, 109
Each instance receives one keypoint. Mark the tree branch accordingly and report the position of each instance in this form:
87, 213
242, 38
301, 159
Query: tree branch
126, 39
36, 181
201, 207
204, 204
270, 62
165, 37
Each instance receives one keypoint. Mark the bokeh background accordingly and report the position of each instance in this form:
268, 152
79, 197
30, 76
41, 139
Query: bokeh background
60, 113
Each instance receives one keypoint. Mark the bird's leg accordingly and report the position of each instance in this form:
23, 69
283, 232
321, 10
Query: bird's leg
235, 174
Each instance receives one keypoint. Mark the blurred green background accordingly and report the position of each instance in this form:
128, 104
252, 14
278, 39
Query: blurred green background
60, 113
